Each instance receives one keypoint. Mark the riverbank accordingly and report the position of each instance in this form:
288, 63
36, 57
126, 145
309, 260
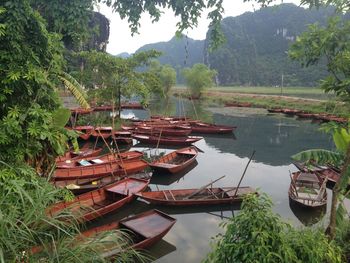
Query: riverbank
269, 101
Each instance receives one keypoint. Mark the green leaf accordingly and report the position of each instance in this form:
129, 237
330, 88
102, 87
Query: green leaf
320, 156
341, 139
60, 117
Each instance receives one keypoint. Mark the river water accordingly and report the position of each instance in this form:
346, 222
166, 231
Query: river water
274, 137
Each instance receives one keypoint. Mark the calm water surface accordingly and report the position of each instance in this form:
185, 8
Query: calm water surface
274, 138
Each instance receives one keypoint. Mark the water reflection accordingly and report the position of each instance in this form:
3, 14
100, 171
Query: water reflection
307, 216
168, 179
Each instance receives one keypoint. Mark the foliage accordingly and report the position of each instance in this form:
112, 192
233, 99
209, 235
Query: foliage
30, 61
187, 11
332, 44
198, 77
256, 234
68, 18
166, 75
113, 74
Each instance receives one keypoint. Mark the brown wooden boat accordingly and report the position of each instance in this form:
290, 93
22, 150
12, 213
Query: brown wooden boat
80, 111
189, 197
108, 132
148, 139
145, 229
97, 203
207, 128
308, 189
174, 131
102, 159
175, 161
80, 186
238, 104
104, 108
132, 105
83, 153
328, 171
84, 131
101, 170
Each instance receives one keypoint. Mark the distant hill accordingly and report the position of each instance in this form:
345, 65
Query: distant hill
123, 55
178, 52
255, 51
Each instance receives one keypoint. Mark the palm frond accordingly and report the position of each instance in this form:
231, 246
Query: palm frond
319, 156
75, 88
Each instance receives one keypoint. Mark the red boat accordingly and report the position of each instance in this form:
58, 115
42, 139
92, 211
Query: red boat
148, 139
108, 132
102, 159
101, 170
207, 128
97, 203
132, 105
80, 111
84, 131
83, 153
164, 131
175, 161
80, 186
104, 108
191, 197
145, 229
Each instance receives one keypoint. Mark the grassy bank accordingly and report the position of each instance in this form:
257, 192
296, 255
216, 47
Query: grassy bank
260, 97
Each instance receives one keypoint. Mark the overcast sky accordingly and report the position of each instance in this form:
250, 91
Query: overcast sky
120, 39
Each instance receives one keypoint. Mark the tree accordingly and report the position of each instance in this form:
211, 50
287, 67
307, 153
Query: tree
256, 234
166, 74
108, 75
197, 78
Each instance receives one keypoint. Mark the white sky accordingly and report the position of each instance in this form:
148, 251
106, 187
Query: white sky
120, 39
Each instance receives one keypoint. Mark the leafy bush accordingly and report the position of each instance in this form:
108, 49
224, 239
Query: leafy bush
256, 234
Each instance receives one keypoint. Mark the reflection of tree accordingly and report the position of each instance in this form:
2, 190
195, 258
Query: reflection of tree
273, 140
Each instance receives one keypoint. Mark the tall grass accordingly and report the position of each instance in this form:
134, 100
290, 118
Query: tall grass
24, 225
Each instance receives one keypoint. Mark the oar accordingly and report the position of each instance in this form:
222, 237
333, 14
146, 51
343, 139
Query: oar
203, 187
246, 167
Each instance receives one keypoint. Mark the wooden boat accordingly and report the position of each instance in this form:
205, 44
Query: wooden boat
164, 131
97, 203
207, 128
83, 153
308, 189
108, 132
145, 229
80, 186
84, 131
330, 172
190, 197
148, 139
238, 104
132, 105
101, 170
102, 159
175, 161
104, 108
80, 111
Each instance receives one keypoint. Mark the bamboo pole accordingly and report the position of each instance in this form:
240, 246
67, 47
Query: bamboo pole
246, 167
203, 187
